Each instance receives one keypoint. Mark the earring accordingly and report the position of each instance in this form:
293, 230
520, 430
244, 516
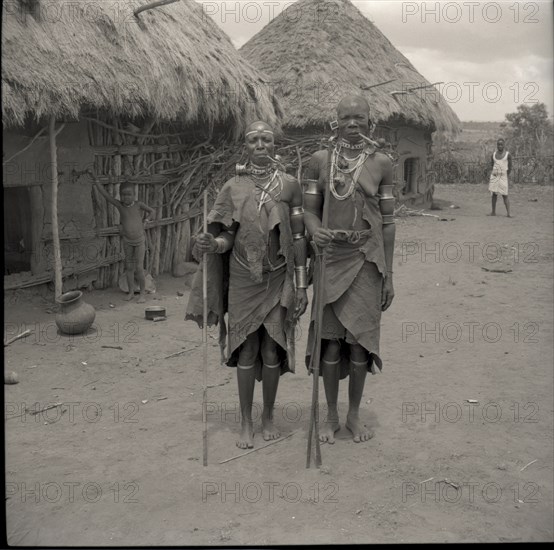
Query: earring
334, 125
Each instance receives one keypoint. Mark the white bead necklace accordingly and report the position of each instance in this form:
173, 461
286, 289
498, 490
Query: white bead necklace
360, 160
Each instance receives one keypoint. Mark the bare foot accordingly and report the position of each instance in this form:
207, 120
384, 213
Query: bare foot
508, 216
129, 297
269, 431
328, 430
142, 299
246, 438
491, 214
359, 430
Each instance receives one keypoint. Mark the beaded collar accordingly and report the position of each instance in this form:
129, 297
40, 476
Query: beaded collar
260, 170
347, 145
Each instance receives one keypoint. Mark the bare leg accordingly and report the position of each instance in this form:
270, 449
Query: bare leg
130, 274
493, 201
270, 382
358, 372
142, 283
330, 369
246, 378
507, 205
140, 272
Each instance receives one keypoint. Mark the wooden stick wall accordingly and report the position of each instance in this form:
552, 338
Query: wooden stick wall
169, 171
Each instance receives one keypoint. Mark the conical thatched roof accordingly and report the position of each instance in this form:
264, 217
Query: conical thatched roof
170, 63
331, 52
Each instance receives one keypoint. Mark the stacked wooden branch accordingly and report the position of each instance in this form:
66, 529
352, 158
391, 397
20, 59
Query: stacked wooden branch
170, 172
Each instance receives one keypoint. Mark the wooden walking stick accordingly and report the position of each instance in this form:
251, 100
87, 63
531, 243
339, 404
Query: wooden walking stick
205, 337
319, 289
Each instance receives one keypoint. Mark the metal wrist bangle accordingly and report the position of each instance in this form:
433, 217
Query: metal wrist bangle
220, 243
301, 277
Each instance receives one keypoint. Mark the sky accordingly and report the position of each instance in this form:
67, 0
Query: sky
490, 57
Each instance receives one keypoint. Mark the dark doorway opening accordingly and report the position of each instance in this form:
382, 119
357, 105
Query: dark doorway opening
410, 175
18, 245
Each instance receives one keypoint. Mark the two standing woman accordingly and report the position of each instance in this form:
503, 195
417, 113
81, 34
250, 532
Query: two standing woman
257, 248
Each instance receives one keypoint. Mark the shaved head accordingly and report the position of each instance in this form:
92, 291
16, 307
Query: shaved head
353, 118
353, 101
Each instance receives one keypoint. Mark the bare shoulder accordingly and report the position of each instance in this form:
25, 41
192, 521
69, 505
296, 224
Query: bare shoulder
320, 156
383, 159
316, 166
291, 191
289, 181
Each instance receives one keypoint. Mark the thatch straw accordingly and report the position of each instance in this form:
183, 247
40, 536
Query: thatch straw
333, 52
170, 63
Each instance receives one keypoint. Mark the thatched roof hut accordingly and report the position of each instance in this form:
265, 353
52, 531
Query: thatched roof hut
152, 98
332, 49
169, 63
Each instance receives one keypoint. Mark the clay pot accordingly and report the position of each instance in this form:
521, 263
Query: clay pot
75, 316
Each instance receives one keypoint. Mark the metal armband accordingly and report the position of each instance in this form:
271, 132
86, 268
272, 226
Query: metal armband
386, 204
298, 236
311, 187
296, 211
301, 277
297, 215
313, 198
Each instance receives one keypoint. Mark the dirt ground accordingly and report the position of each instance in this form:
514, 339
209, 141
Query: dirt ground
462, 412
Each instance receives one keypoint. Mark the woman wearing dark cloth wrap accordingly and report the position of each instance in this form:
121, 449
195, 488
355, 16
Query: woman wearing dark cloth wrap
258, 218
359, 247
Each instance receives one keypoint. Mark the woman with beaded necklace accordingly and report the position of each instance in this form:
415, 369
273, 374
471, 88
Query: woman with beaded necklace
258, 220
359, 247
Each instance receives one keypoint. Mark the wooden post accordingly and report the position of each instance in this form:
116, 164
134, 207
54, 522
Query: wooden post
205, 337
55, 231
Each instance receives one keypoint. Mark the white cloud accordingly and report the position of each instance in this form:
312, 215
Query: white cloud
483, 90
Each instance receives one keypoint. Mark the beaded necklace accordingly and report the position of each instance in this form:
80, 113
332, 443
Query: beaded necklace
347, 145
254, 169
356, 169
267, 189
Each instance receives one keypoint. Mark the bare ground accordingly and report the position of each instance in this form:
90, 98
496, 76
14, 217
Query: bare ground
120, 462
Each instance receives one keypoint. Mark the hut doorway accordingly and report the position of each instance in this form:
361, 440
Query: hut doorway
18, 244
411, 170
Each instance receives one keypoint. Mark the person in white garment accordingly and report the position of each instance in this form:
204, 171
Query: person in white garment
501, 166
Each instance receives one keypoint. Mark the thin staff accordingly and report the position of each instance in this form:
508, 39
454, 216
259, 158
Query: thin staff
205, 339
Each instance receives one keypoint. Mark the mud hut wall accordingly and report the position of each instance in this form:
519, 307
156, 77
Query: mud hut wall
168, 176
412, 143
31, 170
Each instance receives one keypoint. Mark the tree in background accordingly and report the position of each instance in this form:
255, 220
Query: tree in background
530, 131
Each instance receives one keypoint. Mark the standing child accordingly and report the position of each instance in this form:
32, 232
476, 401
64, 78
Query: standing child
132, 231
501, 166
